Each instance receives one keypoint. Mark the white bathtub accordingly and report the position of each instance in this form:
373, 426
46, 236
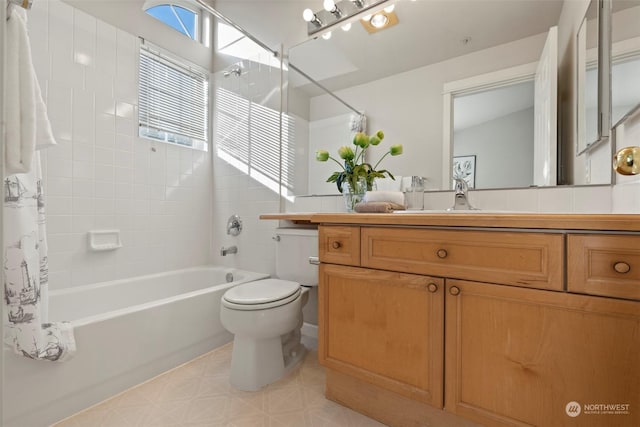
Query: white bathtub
126, 331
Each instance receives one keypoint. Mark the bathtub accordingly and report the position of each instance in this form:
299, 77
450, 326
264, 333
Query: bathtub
127, 331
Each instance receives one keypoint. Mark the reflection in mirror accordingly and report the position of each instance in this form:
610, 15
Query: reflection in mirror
625, 61
496, 126
588, 78
624, 71
313, 129
396, 76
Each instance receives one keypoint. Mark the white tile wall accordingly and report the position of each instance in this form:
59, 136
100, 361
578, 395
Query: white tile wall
101, 175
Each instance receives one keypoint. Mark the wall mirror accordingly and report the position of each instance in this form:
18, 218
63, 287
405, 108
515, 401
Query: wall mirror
593, 67
608, 71
625, 58
396, 77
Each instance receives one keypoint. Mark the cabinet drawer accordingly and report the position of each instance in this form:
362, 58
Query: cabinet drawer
339, 244
533, 260
605, 265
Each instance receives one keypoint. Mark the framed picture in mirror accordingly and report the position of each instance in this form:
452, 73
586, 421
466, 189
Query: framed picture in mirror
465, 167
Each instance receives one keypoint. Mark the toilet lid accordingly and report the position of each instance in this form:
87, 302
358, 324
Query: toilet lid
261, 291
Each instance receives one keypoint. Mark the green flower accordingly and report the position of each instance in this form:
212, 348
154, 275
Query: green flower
346, 153
361, 139
322, 155
395, 150
354, 163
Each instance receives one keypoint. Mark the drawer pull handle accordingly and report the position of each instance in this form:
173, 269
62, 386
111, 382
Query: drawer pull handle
442, 253
432, 287
454, 290
621, 267
336, 244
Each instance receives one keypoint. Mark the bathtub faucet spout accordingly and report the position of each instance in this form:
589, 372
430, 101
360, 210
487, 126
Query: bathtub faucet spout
230, 250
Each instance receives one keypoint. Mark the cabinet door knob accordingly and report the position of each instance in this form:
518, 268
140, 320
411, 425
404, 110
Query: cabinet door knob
336, 244
621, 267
442, 253
432, 287
454, 290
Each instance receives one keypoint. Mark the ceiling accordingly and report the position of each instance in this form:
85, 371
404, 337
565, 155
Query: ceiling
429, 31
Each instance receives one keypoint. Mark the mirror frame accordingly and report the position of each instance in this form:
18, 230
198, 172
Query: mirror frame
603, 21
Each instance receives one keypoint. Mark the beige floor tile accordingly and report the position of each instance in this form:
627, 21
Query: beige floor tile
198, 394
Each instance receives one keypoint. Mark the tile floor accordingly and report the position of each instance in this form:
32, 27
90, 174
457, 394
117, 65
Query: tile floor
199, 394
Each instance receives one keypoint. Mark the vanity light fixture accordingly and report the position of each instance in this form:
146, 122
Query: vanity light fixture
338, 12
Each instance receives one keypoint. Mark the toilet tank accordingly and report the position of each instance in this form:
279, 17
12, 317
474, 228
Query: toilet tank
293, 249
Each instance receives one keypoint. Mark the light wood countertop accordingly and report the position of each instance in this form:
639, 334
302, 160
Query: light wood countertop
589, 222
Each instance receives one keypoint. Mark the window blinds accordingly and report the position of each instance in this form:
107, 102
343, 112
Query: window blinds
173, 100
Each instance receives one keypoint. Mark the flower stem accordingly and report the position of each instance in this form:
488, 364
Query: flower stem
340, 164
381, 158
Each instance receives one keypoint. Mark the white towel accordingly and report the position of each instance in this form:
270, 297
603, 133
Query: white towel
396, 197
27, 125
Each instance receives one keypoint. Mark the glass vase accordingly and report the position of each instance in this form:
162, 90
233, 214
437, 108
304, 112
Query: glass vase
353, 196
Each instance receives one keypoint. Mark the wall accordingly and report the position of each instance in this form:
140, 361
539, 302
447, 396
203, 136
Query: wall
101, 175
503, 148
408, 106
129, 16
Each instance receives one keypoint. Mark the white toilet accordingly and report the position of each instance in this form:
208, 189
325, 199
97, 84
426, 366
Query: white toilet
266, 315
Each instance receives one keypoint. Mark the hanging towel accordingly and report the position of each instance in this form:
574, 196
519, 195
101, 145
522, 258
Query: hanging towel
27, 125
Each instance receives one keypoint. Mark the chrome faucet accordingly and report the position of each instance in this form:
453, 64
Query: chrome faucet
230, 250
460, 201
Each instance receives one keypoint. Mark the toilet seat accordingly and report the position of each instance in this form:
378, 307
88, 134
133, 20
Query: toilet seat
261, 294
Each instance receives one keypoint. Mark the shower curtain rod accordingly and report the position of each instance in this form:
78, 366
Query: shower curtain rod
220, 16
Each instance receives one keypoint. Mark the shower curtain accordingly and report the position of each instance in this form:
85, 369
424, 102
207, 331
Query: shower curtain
26, 272
25, 266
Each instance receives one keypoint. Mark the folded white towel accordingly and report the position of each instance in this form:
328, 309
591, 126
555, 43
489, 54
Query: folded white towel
27, 125
396, 197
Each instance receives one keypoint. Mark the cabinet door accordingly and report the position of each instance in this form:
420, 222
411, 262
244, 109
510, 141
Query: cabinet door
383, 328
521, 357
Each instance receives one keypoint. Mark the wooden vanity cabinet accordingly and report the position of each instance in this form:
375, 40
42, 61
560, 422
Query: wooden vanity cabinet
513, 355
385, 328
517, 357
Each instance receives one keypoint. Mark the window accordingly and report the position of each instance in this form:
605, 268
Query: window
185, 16
177, 17
173, 100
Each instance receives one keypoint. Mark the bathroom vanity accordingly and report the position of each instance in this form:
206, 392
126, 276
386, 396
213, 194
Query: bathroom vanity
501, 319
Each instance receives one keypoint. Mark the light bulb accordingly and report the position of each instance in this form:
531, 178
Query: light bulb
327, 35
389, 9
346, 27
308, 15
329, 5
379, 20
366, 18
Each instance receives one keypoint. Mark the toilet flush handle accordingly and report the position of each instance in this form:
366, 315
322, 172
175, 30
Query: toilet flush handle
314, 260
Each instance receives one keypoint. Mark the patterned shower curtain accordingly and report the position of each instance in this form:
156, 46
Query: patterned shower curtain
26, 272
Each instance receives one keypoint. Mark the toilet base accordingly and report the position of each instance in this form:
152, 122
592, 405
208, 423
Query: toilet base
257, 363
